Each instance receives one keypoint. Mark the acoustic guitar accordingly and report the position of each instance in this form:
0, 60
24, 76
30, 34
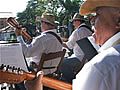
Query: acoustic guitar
14, 75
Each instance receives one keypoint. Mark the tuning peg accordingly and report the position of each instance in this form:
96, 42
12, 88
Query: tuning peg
20, 71
13, 68
2, 66
7, 67
10, 69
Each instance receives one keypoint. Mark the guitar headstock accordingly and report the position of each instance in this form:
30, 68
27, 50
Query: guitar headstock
11, 74
12, 22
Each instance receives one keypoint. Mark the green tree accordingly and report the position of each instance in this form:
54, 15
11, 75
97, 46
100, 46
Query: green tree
62, 9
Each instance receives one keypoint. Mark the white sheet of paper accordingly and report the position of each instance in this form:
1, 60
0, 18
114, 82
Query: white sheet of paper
11, 54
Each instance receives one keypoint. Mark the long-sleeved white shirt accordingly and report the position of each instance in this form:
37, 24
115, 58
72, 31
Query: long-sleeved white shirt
78, 34
43, 43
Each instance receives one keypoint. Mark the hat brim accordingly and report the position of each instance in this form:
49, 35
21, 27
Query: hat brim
76, 19
45, 20
90, 6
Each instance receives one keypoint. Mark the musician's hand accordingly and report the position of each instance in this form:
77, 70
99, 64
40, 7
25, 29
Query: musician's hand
39, 84
17, 32
35, 84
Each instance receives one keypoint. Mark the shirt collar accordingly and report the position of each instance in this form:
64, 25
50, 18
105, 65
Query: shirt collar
81, 24
52, 30
109, 43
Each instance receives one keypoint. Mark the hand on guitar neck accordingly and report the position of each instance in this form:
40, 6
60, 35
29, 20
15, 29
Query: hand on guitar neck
19, 30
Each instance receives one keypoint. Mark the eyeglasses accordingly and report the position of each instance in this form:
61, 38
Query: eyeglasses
46, 23
43, 22
93, 18
95, 15
76, 20
92, 21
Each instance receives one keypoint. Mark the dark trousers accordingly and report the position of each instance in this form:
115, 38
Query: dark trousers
69, 68
20, 86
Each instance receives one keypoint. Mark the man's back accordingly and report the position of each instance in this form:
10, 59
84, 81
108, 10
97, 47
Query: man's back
51, 43
43, 43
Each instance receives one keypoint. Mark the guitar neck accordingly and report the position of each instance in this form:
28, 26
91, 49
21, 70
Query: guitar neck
56, 84
53, 83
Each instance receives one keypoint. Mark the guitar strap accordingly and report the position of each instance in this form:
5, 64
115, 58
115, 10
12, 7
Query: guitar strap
54, 34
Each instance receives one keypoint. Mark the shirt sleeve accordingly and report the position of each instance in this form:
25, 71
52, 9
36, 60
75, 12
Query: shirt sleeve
20, 39
78, 34
34, 49
72, 40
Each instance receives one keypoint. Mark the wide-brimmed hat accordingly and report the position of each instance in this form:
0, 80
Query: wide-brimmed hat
77, 16
89, 6
48, 17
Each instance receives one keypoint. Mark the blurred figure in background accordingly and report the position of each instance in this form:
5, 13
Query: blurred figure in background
70, 65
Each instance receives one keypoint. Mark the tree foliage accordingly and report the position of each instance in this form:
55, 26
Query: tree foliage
62, 9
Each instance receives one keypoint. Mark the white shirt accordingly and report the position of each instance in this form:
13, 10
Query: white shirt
43, 43
78, 34
103, 71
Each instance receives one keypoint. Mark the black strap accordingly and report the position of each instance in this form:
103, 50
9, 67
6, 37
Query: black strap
87, 28
49, 67
54, 34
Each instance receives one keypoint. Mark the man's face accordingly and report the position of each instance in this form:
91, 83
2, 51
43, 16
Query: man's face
44, 26
103, 24
76, 23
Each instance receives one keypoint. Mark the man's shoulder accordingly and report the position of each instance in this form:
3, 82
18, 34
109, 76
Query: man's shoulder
107, 60
85, 27
41, 37
109, 54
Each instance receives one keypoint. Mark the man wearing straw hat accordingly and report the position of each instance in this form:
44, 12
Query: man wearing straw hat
44, 43
103, 71
70, 65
